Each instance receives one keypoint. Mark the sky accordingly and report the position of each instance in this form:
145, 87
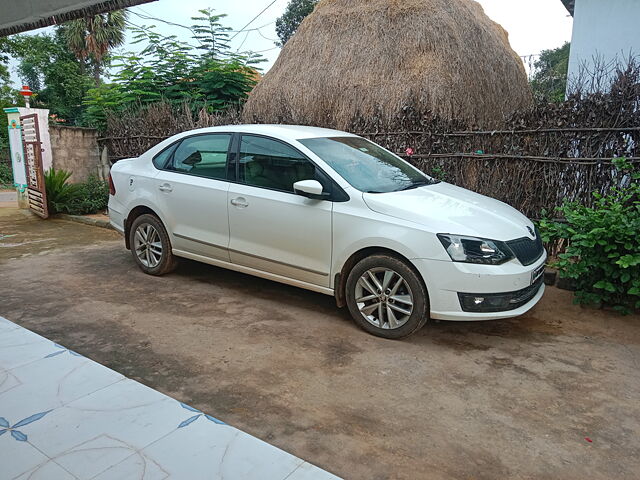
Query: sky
533, 25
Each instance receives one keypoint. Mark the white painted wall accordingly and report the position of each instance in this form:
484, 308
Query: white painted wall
609, 29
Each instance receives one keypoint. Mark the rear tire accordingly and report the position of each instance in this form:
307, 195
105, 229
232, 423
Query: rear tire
386, 297
150, 246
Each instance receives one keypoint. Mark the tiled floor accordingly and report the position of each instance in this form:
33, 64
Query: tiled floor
63, 416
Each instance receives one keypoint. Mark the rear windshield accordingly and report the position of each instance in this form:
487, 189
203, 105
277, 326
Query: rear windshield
365, 165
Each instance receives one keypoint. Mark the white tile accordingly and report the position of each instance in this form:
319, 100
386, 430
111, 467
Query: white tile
6, 325
137, 467
48, 470
306, 471
8, 381
96, 455
20, 346
51, 382
17, 457
204, 450
127, 413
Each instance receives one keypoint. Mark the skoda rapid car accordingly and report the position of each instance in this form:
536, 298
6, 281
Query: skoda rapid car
331, 212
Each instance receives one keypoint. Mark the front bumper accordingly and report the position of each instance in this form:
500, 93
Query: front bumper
446, 279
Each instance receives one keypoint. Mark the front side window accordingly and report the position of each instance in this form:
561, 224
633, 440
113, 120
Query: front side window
202, 155
272, 164
365, 165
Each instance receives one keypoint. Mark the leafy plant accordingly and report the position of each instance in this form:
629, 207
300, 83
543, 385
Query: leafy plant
207, 76
603, 243
92, 197
439, 173
61, 195
210, 33
75, 199
6, 175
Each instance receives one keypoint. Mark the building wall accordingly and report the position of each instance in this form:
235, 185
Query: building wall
75, 150
609, 29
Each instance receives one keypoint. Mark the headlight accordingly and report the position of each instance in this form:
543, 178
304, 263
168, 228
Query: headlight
475, 250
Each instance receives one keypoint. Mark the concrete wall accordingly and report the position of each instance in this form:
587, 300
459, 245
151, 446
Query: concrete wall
76, 150
609, 29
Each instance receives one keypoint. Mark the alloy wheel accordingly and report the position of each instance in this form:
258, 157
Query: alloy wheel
384, 298
147, 245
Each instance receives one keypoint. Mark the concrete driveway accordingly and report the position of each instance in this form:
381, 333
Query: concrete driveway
509, 399
8, 198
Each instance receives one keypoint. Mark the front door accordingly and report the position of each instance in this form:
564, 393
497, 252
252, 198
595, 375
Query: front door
191, 190
271, 228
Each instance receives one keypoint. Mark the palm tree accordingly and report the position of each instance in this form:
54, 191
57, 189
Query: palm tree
91, 38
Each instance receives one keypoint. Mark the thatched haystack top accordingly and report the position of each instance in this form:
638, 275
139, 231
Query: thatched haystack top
365, 57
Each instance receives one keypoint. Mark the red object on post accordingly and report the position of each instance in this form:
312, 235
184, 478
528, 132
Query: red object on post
25, 91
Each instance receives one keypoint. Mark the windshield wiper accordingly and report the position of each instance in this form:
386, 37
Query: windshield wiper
415, 185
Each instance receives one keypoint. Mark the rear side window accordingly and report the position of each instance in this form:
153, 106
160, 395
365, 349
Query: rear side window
272, 164
160, 160
202, 155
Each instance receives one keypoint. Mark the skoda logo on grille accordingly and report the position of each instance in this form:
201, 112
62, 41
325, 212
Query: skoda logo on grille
533, 234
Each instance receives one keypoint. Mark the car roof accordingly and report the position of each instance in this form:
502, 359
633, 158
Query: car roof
292, 132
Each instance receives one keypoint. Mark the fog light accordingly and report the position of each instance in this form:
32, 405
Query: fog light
498, 302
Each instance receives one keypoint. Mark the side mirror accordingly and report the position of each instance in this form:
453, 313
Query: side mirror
310, 189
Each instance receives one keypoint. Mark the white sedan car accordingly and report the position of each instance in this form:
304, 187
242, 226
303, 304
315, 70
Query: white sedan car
330, 212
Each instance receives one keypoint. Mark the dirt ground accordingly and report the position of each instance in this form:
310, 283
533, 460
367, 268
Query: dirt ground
493, 400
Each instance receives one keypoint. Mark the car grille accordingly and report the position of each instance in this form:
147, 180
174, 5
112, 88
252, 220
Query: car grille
527, 250
525, 295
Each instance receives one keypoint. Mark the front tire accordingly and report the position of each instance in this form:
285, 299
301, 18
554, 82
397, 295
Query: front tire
386, 297
150, 246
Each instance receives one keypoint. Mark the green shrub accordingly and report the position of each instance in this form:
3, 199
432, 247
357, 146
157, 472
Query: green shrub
439, 173
603, 244
6, 175
93, 196
75, 199
60, 194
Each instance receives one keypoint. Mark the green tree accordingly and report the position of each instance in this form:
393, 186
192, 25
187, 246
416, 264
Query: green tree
8, 94
207, 76
92, 38
58, 79
549, 81
296, 12
211, 34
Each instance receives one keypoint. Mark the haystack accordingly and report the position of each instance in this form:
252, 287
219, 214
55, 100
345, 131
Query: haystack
366, 57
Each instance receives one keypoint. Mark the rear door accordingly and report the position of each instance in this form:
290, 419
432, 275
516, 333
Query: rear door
271, 228
191, 190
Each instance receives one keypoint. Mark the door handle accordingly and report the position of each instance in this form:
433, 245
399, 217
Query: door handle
239, 202
165, 187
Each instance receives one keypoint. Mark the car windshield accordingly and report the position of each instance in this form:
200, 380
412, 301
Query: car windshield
366, 166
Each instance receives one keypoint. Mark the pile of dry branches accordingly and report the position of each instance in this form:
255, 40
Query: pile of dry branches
136, 131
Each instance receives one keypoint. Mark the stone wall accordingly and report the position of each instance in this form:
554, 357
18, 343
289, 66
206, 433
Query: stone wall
76, 150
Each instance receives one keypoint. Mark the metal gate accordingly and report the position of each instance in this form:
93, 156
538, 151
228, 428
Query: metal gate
33, 158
